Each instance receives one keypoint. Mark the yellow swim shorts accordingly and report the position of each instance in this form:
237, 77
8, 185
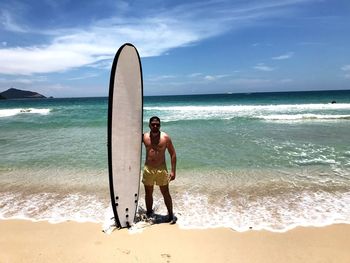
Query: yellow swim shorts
158, 175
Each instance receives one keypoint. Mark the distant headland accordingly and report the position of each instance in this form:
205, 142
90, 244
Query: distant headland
13, 93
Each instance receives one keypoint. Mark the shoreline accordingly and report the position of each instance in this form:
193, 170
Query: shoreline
27, 241
107, 225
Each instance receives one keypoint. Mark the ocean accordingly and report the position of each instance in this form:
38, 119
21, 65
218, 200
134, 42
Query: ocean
269, 161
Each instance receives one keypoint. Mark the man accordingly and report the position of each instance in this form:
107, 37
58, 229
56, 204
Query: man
155, 170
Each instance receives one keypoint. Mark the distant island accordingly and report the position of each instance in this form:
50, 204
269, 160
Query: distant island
13, 93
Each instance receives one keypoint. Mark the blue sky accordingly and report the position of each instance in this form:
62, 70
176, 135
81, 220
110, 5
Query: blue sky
65, 48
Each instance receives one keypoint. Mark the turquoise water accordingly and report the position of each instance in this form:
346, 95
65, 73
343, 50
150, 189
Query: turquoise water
272, 160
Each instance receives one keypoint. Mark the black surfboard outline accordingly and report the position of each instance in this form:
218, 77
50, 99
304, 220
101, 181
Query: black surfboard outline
109, 129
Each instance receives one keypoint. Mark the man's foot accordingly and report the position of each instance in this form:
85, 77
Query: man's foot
172, 220
150, 214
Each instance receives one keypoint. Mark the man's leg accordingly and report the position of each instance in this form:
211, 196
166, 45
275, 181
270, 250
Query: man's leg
149, 198
167, 200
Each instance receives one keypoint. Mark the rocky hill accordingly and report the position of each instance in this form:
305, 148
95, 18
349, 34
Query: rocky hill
13, 93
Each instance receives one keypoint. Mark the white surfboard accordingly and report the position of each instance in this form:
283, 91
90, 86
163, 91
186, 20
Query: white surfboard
125, 115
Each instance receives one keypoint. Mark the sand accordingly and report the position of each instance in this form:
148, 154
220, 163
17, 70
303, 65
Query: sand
26, 241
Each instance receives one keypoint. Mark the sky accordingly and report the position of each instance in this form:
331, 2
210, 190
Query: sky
65, 48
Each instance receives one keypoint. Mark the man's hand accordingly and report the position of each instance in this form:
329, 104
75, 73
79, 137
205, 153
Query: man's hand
172, 176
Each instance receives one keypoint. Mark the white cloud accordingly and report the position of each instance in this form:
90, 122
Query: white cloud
160, 78
85, 76
102, 64
200, 76
35, 79
29, 80
263, 67
284, 56
309, 43
261, 45
189, 78
53, 58
346, 68
209, 77
88, 47
195, 75
8, 23
152, 34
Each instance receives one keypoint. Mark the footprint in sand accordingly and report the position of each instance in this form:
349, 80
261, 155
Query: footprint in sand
166, 257
124, 251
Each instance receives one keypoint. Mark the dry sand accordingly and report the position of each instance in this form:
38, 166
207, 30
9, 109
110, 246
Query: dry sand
25, 241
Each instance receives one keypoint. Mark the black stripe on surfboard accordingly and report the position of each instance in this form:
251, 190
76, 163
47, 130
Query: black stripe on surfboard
109, 128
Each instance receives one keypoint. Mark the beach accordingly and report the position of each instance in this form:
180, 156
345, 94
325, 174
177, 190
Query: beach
25, 241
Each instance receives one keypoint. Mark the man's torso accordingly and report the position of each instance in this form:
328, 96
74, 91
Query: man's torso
155, 149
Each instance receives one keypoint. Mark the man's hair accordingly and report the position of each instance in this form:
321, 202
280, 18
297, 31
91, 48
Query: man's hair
154, 118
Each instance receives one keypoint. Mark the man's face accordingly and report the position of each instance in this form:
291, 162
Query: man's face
154, 126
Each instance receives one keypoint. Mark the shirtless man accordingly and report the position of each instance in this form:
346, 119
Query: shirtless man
155, 170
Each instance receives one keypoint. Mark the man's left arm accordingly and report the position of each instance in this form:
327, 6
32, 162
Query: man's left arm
172, 152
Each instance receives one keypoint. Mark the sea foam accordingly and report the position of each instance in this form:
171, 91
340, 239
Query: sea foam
267, 112
14, 112
303, 117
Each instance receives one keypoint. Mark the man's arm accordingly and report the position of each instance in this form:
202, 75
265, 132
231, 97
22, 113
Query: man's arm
172, 152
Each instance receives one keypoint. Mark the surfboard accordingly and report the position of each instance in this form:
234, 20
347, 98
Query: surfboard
125, 115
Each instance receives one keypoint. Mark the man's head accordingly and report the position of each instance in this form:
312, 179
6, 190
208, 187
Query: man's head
154, 124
